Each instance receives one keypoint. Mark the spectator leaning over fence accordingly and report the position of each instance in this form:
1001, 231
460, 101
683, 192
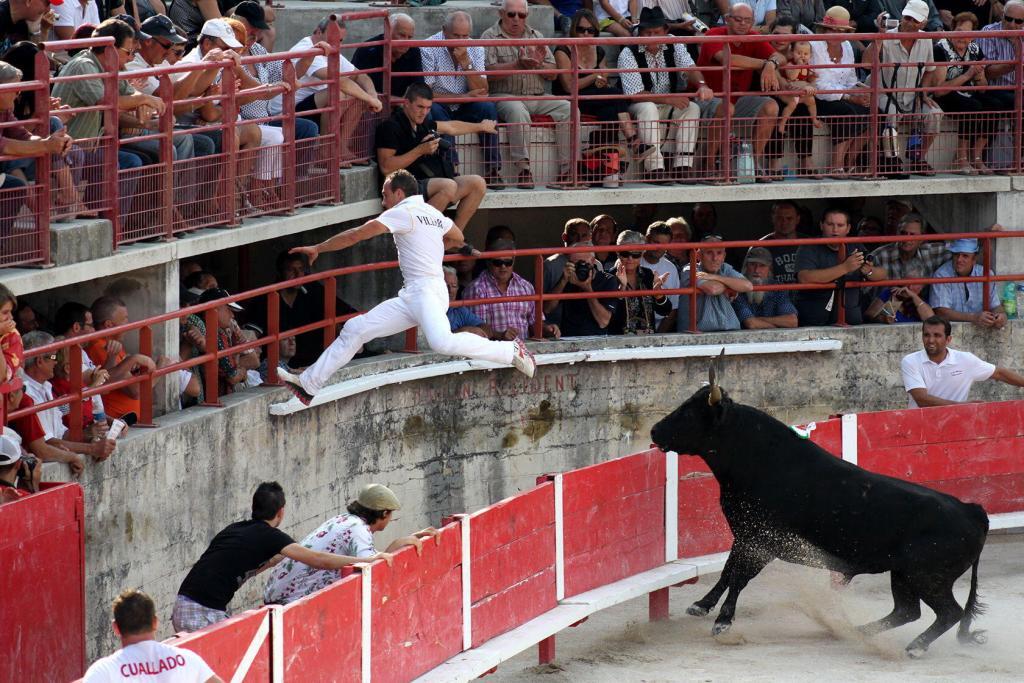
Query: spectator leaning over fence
38, 372
17, 141
411, 140
586, 317
757, 114
346, 534
109, 354
785, 216
938, 375
717, 284
12, 348
976, 112
516, 318
963, 301
517, 113
761, 310
358, 93
556, 277
459, 26
240, 551
231, 369
819, 263
657, 97
403, 59
1004, 50
637, 314
142, 656
14, 473
910, 68
657, 261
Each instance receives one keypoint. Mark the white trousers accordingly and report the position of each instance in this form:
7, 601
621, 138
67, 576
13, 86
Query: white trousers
682, 131
424, 304
268, 156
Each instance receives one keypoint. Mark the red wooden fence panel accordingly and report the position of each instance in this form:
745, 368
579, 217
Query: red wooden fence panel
513, 562
702, 526
614, 520
223, 646
322, 634
42, 565
416, 620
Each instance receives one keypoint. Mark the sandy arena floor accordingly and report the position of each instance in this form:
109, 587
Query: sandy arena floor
791, 626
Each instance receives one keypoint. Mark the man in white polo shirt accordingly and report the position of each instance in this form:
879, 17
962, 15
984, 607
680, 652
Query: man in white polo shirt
422, 233
142, 657
940, 376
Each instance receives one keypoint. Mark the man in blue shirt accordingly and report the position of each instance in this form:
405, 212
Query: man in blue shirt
717, 283
962, 301
763, 310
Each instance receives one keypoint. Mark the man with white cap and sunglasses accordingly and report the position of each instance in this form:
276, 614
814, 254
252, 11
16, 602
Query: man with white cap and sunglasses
907, 67
963, 301
13, 467
347, 534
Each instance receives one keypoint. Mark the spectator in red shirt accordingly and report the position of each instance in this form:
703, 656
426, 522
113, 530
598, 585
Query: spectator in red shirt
756, 114
33, 436
12, 351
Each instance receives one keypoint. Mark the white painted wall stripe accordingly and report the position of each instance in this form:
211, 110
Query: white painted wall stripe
849, 424
367, 645
250, 654
559, 541
277, 643
467, 585
671, 506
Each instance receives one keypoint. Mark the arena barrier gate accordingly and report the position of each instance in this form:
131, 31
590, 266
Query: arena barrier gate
42, 570
517, 572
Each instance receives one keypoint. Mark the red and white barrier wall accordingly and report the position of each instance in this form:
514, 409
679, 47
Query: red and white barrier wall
516, 573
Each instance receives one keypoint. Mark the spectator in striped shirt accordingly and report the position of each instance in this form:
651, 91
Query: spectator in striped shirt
1001, 49
500, 280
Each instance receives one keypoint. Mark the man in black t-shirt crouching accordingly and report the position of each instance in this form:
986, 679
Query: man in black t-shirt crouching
412, 141
242, 550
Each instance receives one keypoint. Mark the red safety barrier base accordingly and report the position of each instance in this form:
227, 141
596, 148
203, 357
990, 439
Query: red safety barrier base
42, 565
322, 634
237, 649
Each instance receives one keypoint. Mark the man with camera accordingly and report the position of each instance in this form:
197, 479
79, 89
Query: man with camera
410, 140
583, 273
19, 474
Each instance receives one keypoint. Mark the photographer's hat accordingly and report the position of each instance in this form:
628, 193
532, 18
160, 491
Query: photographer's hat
10, 451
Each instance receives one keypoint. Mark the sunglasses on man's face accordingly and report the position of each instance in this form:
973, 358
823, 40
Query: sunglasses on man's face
502, 262
1014, 20
516, 15
631, 254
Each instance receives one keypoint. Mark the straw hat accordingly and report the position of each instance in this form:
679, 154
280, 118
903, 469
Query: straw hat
836, 18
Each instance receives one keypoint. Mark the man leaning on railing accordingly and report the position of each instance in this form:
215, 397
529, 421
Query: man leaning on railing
964, 301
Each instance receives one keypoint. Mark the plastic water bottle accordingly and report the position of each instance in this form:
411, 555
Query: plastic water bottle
1009, 298
745, 172
914, 147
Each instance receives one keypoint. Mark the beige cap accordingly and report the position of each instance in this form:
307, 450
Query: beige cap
378, 497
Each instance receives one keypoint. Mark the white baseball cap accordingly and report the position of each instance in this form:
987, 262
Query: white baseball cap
218, 28
916, 10
10, 451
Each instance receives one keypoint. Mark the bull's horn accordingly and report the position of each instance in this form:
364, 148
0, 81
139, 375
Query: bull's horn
716, 392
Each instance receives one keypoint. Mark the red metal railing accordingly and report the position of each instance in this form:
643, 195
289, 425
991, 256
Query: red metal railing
166, 198
208, 360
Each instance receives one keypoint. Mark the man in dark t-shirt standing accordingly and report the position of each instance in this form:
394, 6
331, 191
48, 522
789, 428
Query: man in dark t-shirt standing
403, 59
23, 20
411, 140
242, 550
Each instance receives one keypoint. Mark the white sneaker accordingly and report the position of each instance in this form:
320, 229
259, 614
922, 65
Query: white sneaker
523, 360
292, 383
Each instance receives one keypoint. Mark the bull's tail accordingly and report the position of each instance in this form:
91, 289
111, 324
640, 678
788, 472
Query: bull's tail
974, 607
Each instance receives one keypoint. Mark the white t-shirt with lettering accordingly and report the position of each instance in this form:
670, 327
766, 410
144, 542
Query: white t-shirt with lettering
150, 661
419, 231
319, 63
951, 379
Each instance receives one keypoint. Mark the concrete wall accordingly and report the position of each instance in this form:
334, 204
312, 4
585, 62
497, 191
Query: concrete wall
446, 445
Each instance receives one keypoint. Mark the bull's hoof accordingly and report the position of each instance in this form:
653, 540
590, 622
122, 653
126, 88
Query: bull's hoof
916, 651
720, 627
696, 610
973, 638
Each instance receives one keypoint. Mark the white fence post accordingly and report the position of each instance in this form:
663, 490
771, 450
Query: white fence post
671, 506
559, 541
849, 424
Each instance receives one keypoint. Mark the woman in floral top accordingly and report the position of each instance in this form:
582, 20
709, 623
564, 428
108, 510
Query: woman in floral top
349, 534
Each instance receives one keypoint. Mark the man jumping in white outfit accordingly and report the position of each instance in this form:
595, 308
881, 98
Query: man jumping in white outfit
422, 233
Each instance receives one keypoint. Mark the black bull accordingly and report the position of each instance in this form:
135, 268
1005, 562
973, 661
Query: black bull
785, 497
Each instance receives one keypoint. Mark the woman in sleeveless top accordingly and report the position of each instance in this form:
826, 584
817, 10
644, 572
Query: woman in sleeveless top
584, 25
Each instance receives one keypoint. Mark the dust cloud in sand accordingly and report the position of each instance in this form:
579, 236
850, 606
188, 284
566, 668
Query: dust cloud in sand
792, 626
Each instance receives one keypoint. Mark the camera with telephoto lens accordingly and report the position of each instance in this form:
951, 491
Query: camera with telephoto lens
583, 270
26, 473
443, 145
